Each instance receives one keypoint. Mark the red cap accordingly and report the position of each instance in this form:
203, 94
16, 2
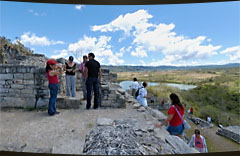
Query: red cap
51, 62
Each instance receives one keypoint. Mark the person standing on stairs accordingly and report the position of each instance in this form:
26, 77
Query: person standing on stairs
70, 68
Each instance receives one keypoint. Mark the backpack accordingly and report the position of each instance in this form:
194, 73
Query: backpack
137, 92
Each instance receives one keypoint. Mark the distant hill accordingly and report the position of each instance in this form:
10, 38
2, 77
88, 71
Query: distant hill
151, 68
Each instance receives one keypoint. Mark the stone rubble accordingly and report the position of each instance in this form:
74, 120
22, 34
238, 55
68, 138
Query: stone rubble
126, 137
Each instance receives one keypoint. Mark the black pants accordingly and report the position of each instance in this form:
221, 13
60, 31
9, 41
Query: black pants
92, 83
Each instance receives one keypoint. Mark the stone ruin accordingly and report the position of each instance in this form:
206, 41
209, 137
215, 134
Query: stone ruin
24, 84
202, 123
231, 132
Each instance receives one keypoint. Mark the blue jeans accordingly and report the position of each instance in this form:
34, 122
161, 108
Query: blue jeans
71, 85
53, 97
92, 83
84, 88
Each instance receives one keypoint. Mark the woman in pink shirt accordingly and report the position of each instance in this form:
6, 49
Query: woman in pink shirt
198, 142
52, 75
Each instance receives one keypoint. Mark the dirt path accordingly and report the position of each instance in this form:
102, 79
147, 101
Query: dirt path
32, 131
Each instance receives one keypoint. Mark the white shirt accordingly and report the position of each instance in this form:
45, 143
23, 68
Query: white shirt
140, 98
135, 85
209, 119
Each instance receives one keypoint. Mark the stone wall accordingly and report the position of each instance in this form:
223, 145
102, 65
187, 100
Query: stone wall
23, 86
231, 132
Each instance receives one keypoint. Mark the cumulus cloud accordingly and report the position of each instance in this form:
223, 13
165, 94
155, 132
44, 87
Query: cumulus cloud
233, 53
32, 39
99, 46
139, 52
158, 38
126, 23
79, 7
62, 54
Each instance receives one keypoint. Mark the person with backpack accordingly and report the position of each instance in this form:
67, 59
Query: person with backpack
52, 75
135, 87
175, 126
198, 142
141, 95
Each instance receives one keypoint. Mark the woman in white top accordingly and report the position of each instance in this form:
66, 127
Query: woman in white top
142, 96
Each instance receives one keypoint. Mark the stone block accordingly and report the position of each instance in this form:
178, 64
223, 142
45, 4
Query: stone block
141, 109
17, 86
14, 91
2, 82
9, 82
26, 91
121, 91
18, 76
28, 82
4, 90
72, 103
28, 76
2, 70
6, 76
12, 102
21, 70
106, 103
42, 102
105, 122
18, 82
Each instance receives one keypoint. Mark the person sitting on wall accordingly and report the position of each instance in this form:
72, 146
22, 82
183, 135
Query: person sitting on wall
142, 96
70, 68
135, 86
52, 75
198, 142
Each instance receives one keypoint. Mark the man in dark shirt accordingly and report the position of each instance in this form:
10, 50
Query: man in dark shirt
92, 74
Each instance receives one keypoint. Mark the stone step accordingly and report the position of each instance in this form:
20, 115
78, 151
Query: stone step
64, 102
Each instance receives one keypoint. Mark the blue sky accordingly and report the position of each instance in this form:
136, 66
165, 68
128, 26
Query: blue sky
181, 34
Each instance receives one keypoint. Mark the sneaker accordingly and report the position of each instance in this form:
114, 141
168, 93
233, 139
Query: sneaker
57, 113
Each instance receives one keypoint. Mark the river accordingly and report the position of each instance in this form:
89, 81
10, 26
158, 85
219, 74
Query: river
126, 85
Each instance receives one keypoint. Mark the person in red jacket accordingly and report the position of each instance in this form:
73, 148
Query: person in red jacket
191, 112
175, 123
52, 75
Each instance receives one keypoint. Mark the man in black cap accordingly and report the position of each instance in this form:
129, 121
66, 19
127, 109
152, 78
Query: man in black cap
92, 74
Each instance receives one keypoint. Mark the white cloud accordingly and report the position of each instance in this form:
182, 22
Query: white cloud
62, 54
79, 7
100, 47
139, 52
126, 23
36, 13
32, 39
161, 38
233, 53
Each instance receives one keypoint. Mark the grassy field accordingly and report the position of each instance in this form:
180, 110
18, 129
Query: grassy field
172, 76
217, 93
